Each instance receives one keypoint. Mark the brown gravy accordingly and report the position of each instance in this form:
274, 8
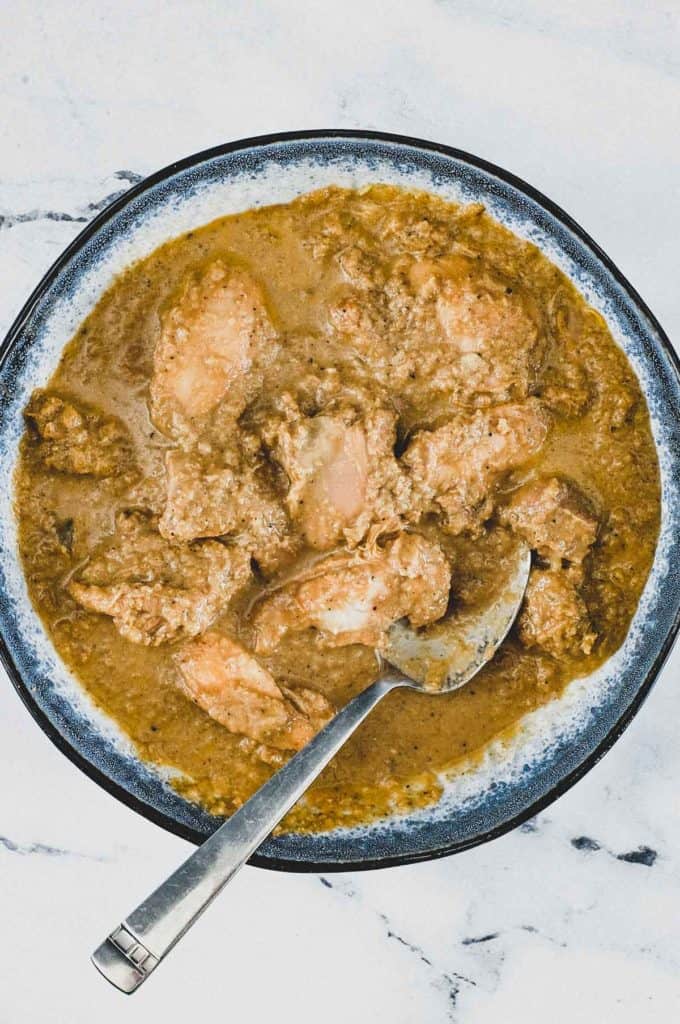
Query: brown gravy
365, 286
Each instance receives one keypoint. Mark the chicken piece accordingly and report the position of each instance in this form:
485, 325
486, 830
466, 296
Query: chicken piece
471, 333
353, 597
77, 439
205, 500
213, 341
358, 317
342, 472
554, 616
326, 461
155, 591
491, 336
454, 468
555, 518
234, 689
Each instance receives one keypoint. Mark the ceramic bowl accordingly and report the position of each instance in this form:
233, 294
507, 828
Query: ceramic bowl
556, 744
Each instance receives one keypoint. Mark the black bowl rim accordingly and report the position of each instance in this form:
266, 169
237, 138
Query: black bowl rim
621, 723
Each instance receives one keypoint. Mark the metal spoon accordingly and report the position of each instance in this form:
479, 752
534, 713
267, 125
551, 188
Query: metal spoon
439, 659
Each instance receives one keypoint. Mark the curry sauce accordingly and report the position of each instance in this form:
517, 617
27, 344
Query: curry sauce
272, 414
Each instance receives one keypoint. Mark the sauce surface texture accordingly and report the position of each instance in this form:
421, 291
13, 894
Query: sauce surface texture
287, 429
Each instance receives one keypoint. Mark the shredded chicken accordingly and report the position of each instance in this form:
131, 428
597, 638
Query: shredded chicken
211, 343
353, 597
228, 682
555, 518
454, 468
77, 439
155, 591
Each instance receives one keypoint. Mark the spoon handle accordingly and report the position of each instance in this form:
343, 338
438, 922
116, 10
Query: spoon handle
136, 947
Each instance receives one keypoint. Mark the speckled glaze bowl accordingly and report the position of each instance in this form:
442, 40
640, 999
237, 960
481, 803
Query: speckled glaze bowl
556, 744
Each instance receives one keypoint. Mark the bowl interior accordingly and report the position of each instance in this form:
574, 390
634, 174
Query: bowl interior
555, 744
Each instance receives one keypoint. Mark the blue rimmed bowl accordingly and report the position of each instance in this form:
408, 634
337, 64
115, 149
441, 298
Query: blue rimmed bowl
556, 744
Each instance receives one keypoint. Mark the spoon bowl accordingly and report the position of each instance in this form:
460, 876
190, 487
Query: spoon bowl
443, 657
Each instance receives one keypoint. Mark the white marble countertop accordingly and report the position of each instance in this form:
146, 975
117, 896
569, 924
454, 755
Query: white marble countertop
573, 917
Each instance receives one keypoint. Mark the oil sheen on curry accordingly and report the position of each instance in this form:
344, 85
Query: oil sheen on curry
279, 434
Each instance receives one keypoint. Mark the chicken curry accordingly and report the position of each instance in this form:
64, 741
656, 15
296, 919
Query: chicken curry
279, 434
